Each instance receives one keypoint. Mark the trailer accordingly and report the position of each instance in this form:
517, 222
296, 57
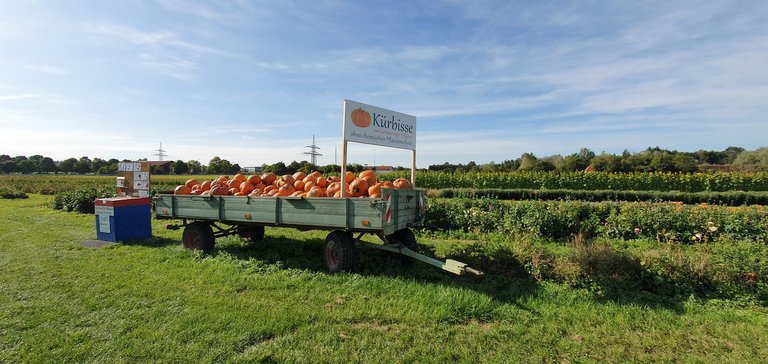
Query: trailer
390, 218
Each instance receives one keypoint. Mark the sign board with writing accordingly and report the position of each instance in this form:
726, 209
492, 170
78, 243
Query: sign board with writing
104, 212
373, 125
135, 178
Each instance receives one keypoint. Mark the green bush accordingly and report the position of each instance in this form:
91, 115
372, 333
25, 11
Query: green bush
733, 198
665, 222
653, 181
80, 200
8, 193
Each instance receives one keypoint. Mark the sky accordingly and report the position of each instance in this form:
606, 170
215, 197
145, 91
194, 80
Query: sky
254, 81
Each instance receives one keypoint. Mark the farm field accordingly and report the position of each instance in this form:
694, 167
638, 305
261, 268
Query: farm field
272, 301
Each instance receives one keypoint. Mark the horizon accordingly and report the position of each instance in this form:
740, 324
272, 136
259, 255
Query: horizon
253, 83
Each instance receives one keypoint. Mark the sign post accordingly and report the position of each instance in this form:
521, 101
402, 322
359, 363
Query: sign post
369, 124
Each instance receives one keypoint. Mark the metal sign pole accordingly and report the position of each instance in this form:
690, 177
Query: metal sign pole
413, 169
344, 152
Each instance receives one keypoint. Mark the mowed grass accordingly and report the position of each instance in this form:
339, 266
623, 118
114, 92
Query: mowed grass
272, 301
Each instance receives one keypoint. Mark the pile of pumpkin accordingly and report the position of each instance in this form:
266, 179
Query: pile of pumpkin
298, 184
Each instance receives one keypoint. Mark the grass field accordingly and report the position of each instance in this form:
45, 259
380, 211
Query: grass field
273, 302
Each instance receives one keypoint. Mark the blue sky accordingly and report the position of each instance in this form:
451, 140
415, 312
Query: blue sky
252, 81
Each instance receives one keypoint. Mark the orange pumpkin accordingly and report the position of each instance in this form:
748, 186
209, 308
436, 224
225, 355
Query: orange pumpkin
246, 187
350, 177
375, 190
219, 191
182, 190
254, 179
197, 192
286, 179
402, 184
237, 180
299, 175
268, 178
286, 190
315, 192
191, 183
298, 194
241, 194
308, 186
387, 184
322, 182
206, 185
361, 118
358, 187
299, 185
332, 189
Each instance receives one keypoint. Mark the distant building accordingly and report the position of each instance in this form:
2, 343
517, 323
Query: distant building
253, 170
380, 169
160, 167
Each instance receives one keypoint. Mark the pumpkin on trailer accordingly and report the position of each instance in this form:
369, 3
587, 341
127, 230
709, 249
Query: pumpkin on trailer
403, 184
358, 188
254, 179
191, 183
375, 190
268, 178
182, 190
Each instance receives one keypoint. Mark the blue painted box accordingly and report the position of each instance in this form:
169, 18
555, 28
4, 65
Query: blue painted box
123, 218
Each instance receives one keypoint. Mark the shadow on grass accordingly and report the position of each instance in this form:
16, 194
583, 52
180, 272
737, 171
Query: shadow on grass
506, 280
154, 241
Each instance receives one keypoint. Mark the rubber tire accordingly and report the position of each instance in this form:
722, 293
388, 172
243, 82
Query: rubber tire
406, 238
251, 233
198, 236
339, 253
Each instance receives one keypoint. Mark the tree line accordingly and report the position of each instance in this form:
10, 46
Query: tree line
649, 160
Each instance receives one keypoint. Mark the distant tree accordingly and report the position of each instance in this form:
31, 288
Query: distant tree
235, 168
9, 166
194, 167
97, 163
180, 167
213, 165
607, 163
83, 165
684, 163
47, 165
19, 158
756, 160
278, 168
528, 162
67, 165
293, 167
4, 157
26, 166
110, 168
225, 167
731, 153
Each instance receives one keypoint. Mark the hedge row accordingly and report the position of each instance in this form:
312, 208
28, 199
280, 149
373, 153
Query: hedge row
654, 181
734, 198
668, 222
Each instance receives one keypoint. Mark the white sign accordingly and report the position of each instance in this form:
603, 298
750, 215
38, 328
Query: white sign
104, 212
373, 125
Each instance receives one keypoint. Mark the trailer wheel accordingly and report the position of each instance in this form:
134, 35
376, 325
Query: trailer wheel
251, 233
198, 236
407, 239
339, 251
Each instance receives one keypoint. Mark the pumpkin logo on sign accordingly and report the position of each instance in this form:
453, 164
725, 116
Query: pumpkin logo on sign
361, 118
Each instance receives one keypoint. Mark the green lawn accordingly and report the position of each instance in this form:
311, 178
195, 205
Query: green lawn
272, 301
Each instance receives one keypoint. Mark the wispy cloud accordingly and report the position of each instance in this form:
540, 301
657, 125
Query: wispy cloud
15, 97
48, 69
